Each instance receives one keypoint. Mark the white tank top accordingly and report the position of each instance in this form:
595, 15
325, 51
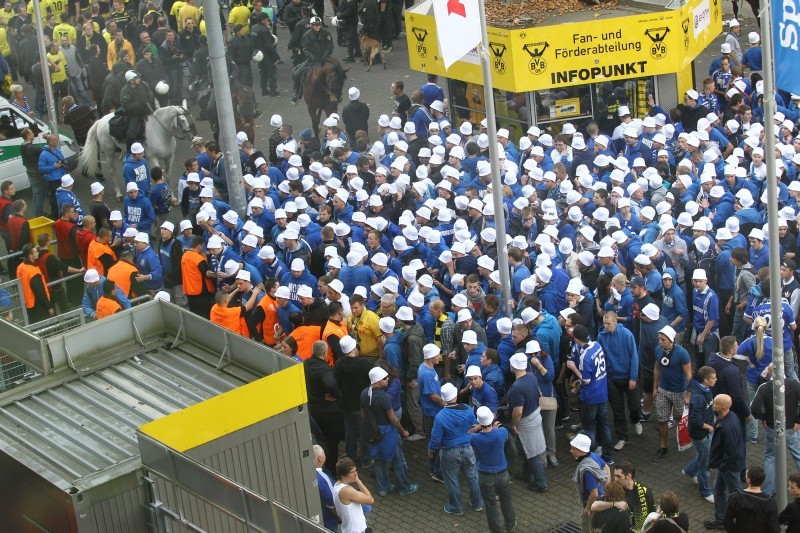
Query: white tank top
351, 515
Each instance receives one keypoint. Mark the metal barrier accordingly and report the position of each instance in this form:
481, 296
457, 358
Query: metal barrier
17, 254
58, 324
13, 373
17, 313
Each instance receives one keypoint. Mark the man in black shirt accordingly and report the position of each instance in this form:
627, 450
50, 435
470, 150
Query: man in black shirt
352, 375
324, 401
402, 103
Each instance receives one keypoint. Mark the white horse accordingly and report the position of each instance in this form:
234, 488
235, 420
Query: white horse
163, 127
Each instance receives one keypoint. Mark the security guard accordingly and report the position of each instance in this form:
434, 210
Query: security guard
138, 100
108, 305
199, 288
34, 289
170, 251
317, 46
264, 41
240, 49
348, 21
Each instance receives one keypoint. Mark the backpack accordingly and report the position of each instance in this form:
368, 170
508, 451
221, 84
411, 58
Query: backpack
372, 433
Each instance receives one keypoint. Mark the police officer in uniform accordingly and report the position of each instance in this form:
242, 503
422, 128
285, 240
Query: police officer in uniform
317, 47
138, 100
295, 44
152, 71
240, 49
348, 22
264, 41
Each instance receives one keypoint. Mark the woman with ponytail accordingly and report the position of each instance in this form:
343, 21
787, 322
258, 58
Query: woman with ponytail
757, 351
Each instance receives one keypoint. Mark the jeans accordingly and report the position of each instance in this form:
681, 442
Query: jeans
710, 346
400, 467
535, 472
435, 464
38, 190
492, 487
594, 420
752, 426
455, 460
789, 369
40, 107
792, 444
739, 327
175, 81
618, 391
699, 465
77, 89
727, 482
413, 408
354, 438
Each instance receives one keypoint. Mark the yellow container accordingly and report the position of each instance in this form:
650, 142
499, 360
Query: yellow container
41, 225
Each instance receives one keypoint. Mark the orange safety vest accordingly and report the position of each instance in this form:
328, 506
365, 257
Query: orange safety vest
332, 328
107, 307
120, 274
267, 325
96, 251
195, 282
229, 318
26, 273
306, 336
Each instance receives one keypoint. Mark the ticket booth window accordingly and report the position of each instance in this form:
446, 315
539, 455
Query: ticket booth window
637, 94
468, 103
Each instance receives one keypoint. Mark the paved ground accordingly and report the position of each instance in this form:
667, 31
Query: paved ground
423, 511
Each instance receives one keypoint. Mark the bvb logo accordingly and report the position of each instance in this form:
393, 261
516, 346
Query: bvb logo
657, 49
685, 28
537, 64
498, 49
420, 34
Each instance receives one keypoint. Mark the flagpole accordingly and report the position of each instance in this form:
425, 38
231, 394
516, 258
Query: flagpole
776, 320
494, 159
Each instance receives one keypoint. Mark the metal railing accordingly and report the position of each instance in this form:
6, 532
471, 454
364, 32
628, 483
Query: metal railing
16, 313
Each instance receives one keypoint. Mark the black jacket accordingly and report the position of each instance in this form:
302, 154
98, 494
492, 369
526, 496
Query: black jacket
112, 88
727, 445
83, 46
748, 512
762, 404
317, 45
240, 49
355, 116
315, 314
352, 375
320, 380
700, 411
729, 381
151, 72
413, 341
791, 517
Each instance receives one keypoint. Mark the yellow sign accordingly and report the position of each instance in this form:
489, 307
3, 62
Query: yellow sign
230, 411
568, 107
563, 55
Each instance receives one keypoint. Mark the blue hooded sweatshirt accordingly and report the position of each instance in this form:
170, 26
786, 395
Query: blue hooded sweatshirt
92, 294
139, 211
548, 333
622, 357
137, 172
674, 303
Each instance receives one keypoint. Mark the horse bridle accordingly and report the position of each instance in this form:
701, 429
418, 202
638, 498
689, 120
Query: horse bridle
187, 134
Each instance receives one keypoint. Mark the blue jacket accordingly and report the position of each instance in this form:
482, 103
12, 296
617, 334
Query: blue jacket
548, 333
139, 212
306, 278
723, 210
92, 294
505, 349
700, 411
450, 427
137, 172
724, 269
545, 380
622, 357
474, 356
148, 263
494, 377
674, 304
47, 159
393, 351
357, 276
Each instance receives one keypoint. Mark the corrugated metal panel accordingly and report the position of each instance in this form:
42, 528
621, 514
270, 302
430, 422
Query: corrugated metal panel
87, 424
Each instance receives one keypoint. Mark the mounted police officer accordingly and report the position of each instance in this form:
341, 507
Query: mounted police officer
295, 44
264, 42
138, 101
317, 47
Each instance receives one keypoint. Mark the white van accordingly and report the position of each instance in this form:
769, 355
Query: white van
13, 121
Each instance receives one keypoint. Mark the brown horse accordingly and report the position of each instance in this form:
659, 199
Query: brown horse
322, 90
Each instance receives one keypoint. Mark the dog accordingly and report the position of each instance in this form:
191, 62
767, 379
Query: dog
371, 49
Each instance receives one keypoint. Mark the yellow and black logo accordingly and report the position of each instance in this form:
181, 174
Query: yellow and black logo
685, 27
657, 49
498, 49
716, 8
420, 34
537, 64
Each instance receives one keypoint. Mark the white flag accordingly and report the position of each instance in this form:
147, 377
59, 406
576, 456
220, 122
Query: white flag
458, 24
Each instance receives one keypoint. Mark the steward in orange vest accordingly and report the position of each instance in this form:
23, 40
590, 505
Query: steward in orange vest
123, 273
198, 288
34, 289
335, 329
265, 315
233, 318
100, 256
108, 305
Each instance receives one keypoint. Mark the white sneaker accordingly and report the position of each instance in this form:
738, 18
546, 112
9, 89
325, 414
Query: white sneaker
709, 498
620, 444
637, 428
415, 437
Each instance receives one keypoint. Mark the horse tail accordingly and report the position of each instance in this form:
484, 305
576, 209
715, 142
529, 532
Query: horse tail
89, 162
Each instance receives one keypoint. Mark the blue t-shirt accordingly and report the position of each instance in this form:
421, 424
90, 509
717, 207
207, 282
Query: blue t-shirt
485, 396
428, 381
590, 482
672, 377
326, 499
489, 450
706, 307
593, 369
524, 392
763, 309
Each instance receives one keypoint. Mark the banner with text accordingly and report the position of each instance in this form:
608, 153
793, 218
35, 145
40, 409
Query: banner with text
786, 44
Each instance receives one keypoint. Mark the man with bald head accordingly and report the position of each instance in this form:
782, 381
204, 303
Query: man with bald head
727, 456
